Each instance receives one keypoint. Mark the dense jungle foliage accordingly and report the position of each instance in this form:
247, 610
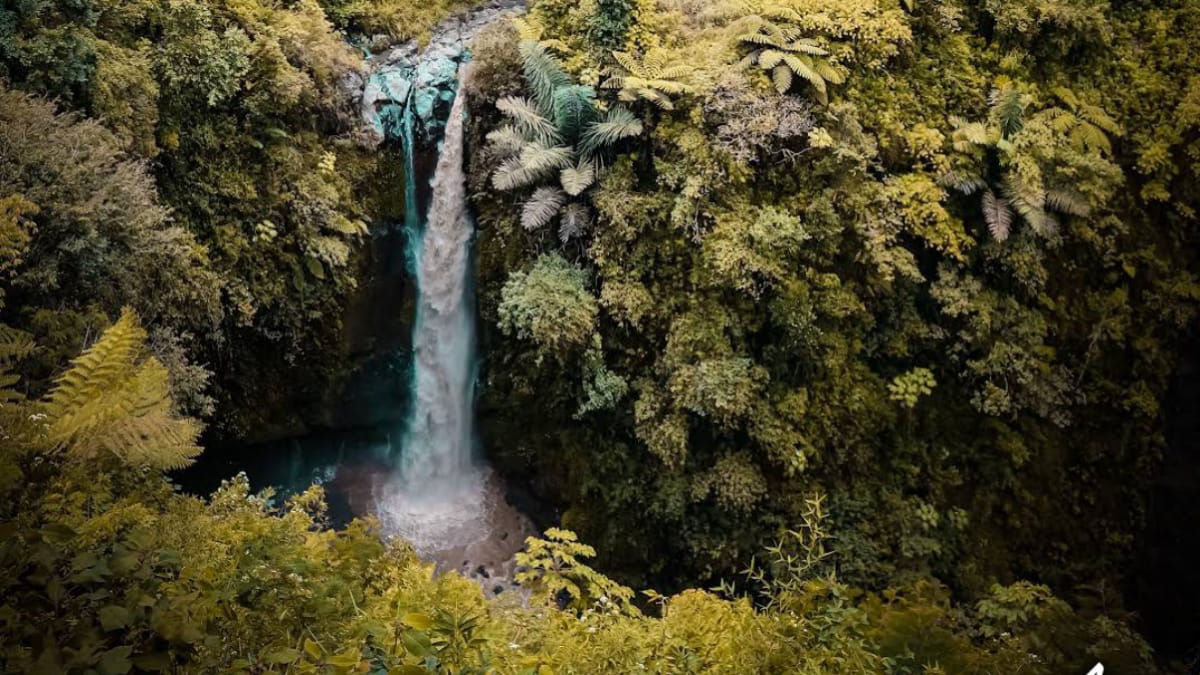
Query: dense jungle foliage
848, 324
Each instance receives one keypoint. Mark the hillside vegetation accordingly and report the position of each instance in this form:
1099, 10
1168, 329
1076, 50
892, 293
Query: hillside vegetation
846, 324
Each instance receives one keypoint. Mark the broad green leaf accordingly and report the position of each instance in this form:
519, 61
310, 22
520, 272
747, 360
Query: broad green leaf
113, 617
417, 620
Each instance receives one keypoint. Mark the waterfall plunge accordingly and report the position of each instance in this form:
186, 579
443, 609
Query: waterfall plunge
436, 500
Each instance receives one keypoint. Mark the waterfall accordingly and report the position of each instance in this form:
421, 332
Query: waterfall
439, 439
436, 498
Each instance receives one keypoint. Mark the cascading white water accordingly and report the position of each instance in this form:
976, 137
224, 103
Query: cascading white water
436, 498
440, 435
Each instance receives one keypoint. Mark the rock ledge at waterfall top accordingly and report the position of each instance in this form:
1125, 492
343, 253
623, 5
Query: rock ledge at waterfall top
388, 77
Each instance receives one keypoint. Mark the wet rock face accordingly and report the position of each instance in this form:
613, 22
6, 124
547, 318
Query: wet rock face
424, 78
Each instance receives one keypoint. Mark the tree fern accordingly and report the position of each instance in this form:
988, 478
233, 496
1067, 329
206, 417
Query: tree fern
780, 51
654, 78
114, 399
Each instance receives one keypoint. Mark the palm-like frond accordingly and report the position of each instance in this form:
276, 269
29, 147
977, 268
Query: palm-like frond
574, 109
576, 179
576, 220
1008, 110
506, 141
543, 73
535, 162
966, 183
998, 215
618, 124
1069, 201
528, 119
541, 207
1029, 202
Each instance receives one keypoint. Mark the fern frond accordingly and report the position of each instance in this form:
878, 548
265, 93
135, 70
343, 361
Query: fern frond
14, 344
1098, 117
528, 28
528, 119
782, 78
541, 207
1086, 136
1069, 201
769, 58
762, 40
543, 73
114, 400
535, 162
998, 215
576, 179
828, 71
506, 141
100, 367
1008, 109
967, 184
967, 134
627, 61
1028, 203
576, 220
574, 109
618, 124
807, 46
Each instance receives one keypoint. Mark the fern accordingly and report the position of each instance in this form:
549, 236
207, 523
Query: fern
543, 73
574, 109
528, 120
114, 399
542, 207
576, 179
1008, 110
653, 78
1069, 201
785, 55
576, 220
535, 162
14, 346
618, 124
1029, 202
998, 215
506, 141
